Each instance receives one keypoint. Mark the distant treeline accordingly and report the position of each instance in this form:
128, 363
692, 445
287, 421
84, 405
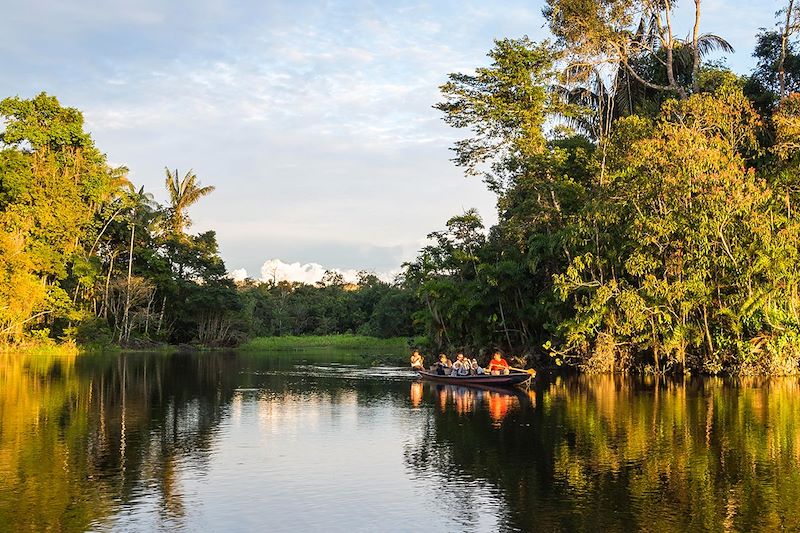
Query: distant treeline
89, 258
368, 307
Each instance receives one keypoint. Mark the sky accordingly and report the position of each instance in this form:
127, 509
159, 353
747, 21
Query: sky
314, 120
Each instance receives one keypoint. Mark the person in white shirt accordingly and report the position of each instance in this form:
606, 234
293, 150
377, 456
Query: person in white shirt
417, 363
461, 365
475, 368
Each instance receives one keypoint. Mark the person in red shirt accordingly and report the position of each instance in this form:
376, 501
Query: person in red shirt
498, 365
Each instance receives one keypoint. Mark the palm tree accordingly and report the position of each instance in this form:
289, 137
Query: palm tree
603, 97
596, 98
182, 194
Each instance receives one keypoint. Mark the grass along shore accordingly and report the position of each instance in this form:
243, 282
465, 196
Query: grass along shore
356, 343
345, 342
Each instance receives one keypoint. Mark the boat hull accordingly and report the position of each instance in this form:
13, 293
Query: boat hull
483, 380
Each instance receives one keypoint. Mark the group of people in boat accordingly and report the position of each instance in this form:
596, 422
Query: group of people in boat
462, 366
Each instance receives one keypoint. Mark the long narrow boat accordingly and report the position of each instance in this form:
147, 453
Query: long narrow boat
503, 380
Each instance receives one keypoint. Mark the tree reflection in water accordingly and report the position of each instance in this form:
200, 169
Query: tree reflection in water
81, 436
608, 453
87, 442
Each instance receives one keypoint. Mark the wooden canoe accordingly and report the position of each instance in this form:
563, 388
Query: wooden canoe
503, 380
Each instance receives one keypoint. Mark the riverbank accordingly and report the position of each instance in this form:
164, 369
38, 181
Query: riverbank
52, 347
44, 348
394, 345
309, 342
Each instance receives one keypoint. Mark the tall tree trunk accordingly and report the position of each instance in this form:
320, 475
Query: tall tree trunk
102, 231
147, 316
503, 318
161, 314
707, 331
787, 29
126, 317
108, 282
696, 49
656, 355
670, 42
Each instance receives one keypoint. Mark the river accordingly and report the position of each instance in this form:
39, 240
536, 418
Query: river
317, 441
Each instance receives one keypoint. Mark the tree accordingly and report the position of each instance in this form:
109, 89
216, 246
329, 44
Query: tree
141, 207
183, 193
789, 27
53, 184
663, 236
83, 252
777, 72
504, 105
628, 35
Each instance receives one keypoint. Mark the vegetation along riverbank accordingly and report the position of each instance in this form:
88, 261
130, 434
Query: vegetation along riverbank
344, 342
648, 219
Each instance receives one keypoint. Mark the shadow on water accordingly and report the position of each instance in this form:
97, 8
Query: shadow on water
93, 441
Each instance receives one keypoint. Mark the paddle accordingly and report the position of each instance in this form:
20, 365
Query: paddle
530, 371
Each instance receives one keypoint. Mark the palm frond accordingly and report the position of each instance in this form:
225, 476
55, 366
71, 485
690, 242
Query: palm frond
183, 193
708, 42
193, 195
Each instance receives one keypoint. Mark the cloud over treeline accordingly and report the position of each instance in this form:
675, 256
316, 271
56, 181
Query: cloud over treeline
276, 270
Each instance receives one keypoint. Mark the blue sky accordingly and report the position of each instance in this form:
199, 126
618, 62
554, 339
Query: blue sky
313, 119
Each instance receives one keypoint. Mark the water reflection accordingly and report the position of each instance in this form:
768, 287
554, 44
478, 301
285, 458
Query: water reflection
619, 454
234, 442
464, 400
416, 393
79, 435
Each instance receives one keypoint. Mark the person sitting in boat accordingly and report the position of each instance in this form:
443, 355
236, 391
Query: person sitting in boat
474, 368
444, 366
461, 366
498, 365
417, 363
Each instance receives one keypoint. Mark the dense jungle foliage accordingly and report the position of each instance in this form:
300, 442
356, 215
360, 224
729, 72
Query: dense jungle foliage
87, 257
647, 199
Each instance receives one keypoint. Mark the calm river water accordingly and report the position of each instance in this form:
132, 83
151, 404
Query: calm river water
310, 442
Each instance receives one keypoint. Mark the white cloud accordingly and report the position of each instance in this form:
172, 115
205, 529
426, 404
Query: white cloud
276, 270
240, 274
